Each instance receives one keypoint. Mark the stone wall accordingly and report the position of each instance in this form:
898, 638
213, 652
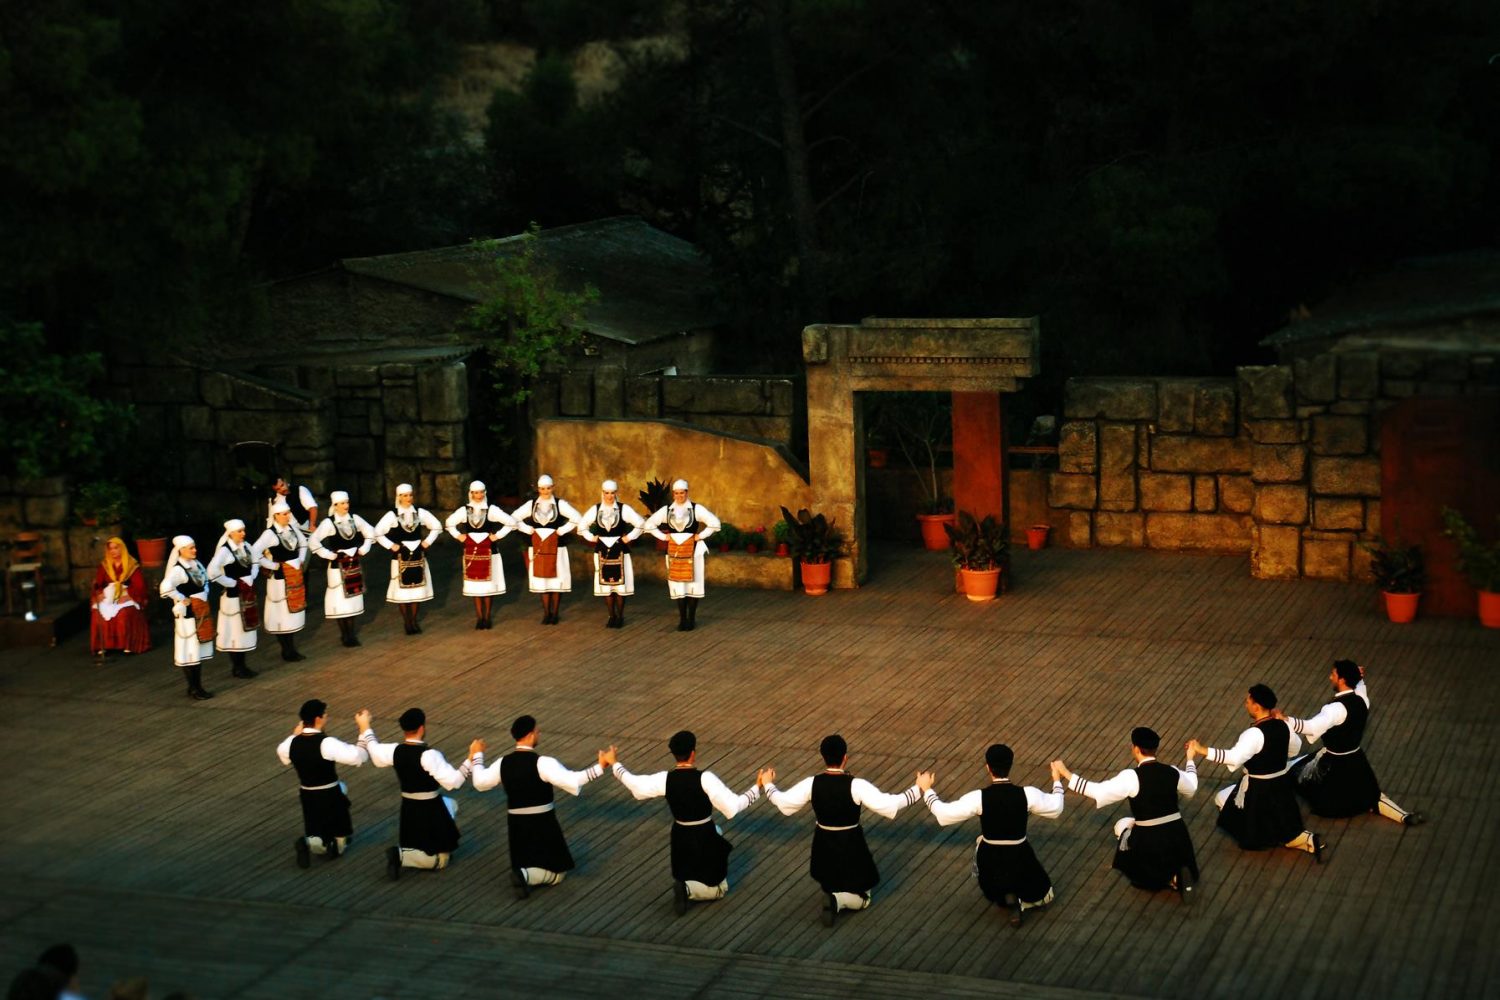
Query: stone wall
70, 551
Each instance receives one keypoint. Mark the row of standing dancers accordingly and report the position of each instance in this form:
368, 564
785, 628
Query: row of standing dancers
342, 540
1153, 847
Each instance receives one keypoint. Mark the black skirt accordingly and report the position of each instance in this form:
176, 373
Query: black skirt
536, 841
1270, 818
1010, 868
841, 861
1337, 785
699, 854
1151, 855
325, 813
426, 826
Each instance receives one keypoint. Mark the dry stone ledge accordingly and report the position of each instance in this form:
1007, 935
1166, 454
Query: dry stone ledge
1359, 376
1278, 463
1110, 399
1334, 434
1358, 477
1176, 398
1201, 532
1120, 530
1078, 447
1266, 392
1167, 491
1281, 504
1068, 490
1317, 378
742, 397
1189, 453
1338, 514
1277, 552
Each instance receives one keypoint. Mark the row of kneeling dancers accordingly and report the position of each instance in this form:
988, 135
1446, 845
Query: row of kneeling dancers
343, 539
1153, 847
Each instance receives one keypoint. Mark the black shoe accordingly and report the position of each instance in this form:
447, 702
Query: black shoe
682, 626
393, 863
1413, 819
304, 853
1013, 904
1318, 846
679, 898
689, 625
546, 618
416, 628
1185, 886
478, 624
830, 910
518, 883
198, 694
333, 849
244, 673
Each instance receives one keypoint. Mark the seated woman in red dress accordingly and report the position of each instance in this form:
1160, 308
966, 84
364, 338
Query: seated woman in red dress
118, 618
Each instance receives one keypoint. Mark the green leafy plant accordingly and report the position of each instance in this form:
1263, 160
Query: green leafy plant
754, 540
728, 536
1397, 568
102, 501
812, 537
1478, 560
655, 496
979, 545
781, 532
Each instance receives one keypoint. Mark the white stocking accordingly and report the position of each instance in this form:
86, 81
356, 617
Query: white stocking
702, 892
541, 876
1390, 810
851, 900
413, 858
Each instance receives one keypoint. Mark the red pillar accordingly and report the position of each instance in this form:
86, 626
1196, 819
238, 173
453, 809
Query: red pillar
978, 454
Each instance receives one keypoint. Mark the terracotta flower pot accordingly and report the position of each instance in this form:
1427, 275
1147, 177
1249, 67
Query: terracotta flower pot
1489, 608
1036, 536
783, 549
153, 551
1400, 608
980, 584
958, 580
752, 549
877, 457
934, 538
815, 577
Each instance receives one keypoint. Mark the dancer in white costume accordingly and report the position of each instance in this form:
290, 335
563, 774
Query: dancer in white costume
281, 550
478, 526
547, 520
683, 525
610, 526
185, 583
343, 539
233, 567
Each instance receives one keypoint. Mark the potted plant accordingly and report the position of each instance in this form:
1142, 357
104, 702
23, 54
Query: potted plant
654, 497
727, 537
1036, 536
1400, 575
101, 501
921, 424
981, 551
816, 544
1479, 562
150, 532
755, 540
781, 532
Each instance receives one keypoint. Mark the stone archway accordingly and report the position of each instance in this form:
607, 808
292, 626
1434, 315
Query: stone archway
975, 359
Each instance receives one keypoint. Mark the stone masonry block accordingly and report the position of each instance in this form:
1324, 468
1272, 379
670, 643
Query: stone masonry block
1236, 494
576, 394
1359, 477
1402, 364
357, 376
1317, 378
1359, 378
1116, 467
1166, 491
643, 396
1215, 410
1110, 398
1120, 530
1338, 514
609, 391
1325, 559
1372, 517
1175, 405
1205, 494
782, 393
1394, 388
690, 394
1356, 407
1276, 431
1198, 532
1077, 492
443, 391
1278, 463
1080, 530
1276, 553
1266, 392
1448, 368
1190, 453
1078, 446
1281, 503
197, 423
400, 404
216, 389
1334, 434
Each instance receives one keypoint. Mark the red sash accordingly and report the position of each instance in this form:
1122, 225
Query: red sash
249, 607
296, 589
544, 557
477, 559
352, 576
205, 620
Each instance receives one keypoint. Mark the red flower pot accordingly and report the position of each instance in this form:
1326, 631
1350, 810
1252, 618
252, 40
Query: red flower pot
980, 584
816, 576
783, 549
877, 457
1036, 536
934, 538
1489, 608
152, 551
1401, 608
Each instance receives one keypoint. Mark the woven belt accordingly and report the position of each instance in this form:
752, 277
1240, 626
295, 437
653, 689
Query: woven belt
836, 829
419, 796
319, 788
533, 810
694, 822
1001, 843
1159, 821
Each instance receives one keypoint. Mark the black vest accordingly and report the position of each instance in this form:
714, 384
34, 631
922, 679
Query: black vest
336, 540
307, 757
557, 521
407, 760
694, 525
685, 795
1272, 757
236, 570
833, 800
523, 786
1002, 811
1158, 794
415, 533
192, 587
1346, 736
280, 553
489, 525
293, 500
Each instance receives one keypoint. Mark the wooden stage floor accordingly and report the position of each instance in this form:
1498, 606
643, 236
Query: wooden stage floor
156, 833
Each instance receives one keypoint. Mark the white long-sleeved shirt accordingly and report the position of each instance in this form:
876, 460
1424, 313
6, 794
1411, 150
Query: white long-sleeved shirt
223, 556
269, 538
1250, 743
654, 786
433, 762
1048, 805
326, 541
460, 527
549, 769
660, 523
861, 791
1127, 784
389, 522
628, 527
332, 749
1332, 714
179, 575
566, 511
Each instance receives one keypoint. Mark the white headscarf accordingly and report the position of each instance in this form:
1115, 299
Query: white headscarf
281, 506
177, 543
680, 484
479, 486
337, 496
233, 524
405, 488
609, 486
543, 480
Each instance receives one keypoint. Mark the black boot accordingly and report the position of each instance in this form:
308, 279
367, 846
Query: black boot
682, 608
240, 669
692, 612
289, 649
619, 611
195, 683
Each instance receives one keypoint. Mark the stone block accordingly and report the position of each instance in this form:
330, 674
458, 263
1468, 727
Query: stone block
1402, 364
770, 428
1276, 553
1325, 558
609, 391
1448, 368
357, 454
1372, 517
1335, 434
1394, 388
1266, 392
86, 544
1216, 408
1351, 407
1236, 494
397, 471
1359, 378
216, 389
352, 426
690, 394
1427, 387
421, 441
1190, 453
1076, 492
1361, 565
1338, 514
46, 512
1120, 530
1281, 503
1317, 378
1080, 530
449, 489
575, 394
320, 382
356, 376
543, 401
197, 423
1110, 398
1166, 491
1175, 405
1078, 446
1198, 532
1356, 477
1275, 431
1116, 467
1278, 463
397, 371
1305, 413
643, 396
782, 394
1205, 494
443, 391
